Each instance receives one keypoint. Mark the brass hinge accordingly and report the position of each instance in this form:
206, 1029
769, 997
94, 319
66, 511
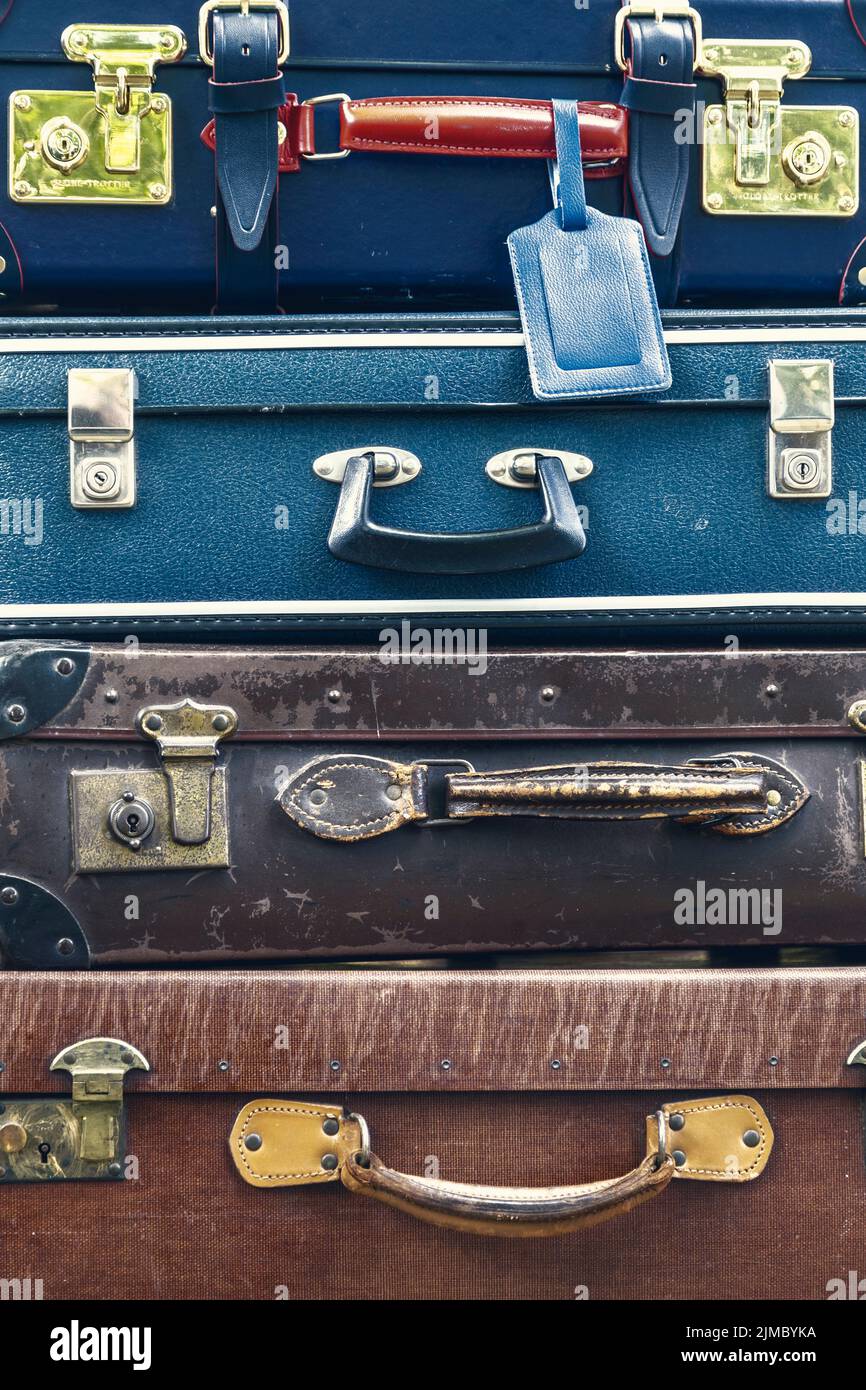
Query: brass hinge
174, 818
106, 146
53, 1138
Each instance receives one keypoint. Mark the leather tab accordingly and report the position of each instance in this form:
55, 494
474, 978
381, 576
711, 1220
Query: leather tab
285, 1143
659, 86
355, 798
723, 1139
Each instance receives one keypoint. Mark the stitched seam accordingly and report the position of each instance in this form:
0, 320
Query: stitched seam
731, 1105
274, 1110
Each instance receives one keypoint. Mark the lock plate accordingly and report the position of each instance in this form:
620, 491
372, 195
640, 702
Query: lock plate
802, 414
55, 1139
109, 145
180, 811
762, 157
101, 402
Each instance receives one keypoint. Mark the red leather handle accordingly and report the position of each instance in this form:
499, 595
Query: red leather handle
503, 127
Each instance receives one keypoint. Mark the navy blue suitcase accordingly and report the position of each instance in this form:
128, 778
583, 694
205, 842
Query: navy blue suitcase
197, 474
747, 144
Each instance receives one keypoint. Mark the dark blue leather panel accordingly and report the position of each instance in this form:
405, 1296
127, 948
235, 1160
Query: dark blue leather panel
431, 230
229, 509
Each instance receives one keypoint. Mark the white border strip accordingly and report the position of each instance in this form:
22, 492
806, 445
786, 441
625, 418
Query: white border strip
287, 342
477, 607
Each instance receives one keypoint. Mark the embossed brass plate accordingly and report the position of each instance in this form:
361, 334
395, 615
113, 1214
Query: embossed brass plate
762, 157
54, 1139
110, 145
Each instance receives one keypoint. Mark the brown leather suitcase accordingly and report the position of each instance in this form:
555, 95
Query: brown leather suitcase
231, 1167
189, 804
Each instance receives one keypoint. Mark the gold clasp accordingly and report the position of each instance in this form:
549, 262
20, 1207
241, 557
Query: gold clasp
112, 145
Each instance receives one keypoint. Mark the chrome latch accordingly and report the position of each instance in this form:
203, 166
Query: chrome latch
106, 146
763, 157
101, 444
58, 1139
519, 467
802, 412
174, 818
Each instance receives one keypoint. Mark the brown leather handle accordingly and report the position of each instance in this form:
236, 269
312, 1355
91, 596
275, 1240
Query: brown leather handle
510, 1211
501, 127
292, 1143
350, 797
498, 127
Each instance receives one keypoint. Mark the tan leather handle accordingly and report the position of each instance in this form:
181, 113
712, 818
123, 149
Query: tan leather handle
284, 1143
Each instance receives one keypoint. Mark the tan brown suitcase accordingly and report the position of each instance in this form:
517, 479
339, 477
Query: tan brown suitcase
125, 1183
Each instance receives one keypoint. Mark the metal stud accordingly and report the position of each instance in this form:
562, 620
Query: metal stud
329, 1162
16, 714
751, 1138
331, 1126
64, 666
677, 1121
678, 1157
9, 896
252, 1142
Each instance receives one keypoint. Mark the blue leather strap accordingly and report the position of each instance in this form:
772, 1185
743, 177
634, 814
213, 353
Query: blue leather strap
566, 174
659, 93
245, 93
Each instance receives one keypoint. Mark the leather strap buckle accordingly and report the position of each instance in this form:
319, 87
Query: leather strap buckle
330, 98
205, 48
660, 10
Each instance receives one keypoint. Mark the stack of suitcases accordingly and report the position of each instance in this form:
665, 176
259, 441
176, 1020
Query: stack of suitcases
433, 676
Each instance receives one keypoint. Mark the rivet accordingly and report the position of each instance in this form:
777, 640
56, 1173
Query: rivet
846, 118
111, 696
795, 55
715, 200
555, 1064
773, 798
335, 1065
665, 1063
772, 690
65, 946
166, 41
2, 264
329, 1162
846, 203
548, 693
710, 54
9, 895
16, 714
24, 189
220, 722
64, 666
213, 212
677, 1121
324, 469
158, 104
335, 696
446, 1064
127, 1058
252, 1142
157, 190
331, 1126
223, 1066
774, 1061
393, 792
678, 1157
115, 1170
751, 1138
70, 1059
318, 797
23, 102
714, 117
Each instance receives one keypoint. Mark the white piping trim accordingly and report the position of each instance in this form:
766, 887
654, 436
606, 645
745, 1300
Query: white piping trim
283, 342
478, 607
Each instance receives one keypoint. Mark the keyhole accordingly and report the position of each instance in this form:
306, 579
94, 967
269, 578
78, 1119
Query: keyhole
44, 1151
132, 822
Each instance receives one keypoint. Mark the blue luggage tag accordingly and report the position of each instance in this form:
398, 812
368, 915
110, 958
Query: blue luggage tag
587, 300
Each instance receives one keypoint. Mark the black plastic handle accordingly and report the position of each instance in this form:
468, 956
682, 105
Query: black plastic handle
355, 538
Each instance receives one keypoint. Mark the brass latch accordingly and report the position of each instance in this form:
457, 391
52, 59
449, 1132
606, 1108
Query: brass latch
174, 818
101, 403
802, 413
111, 145
762, 156
56, 1139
